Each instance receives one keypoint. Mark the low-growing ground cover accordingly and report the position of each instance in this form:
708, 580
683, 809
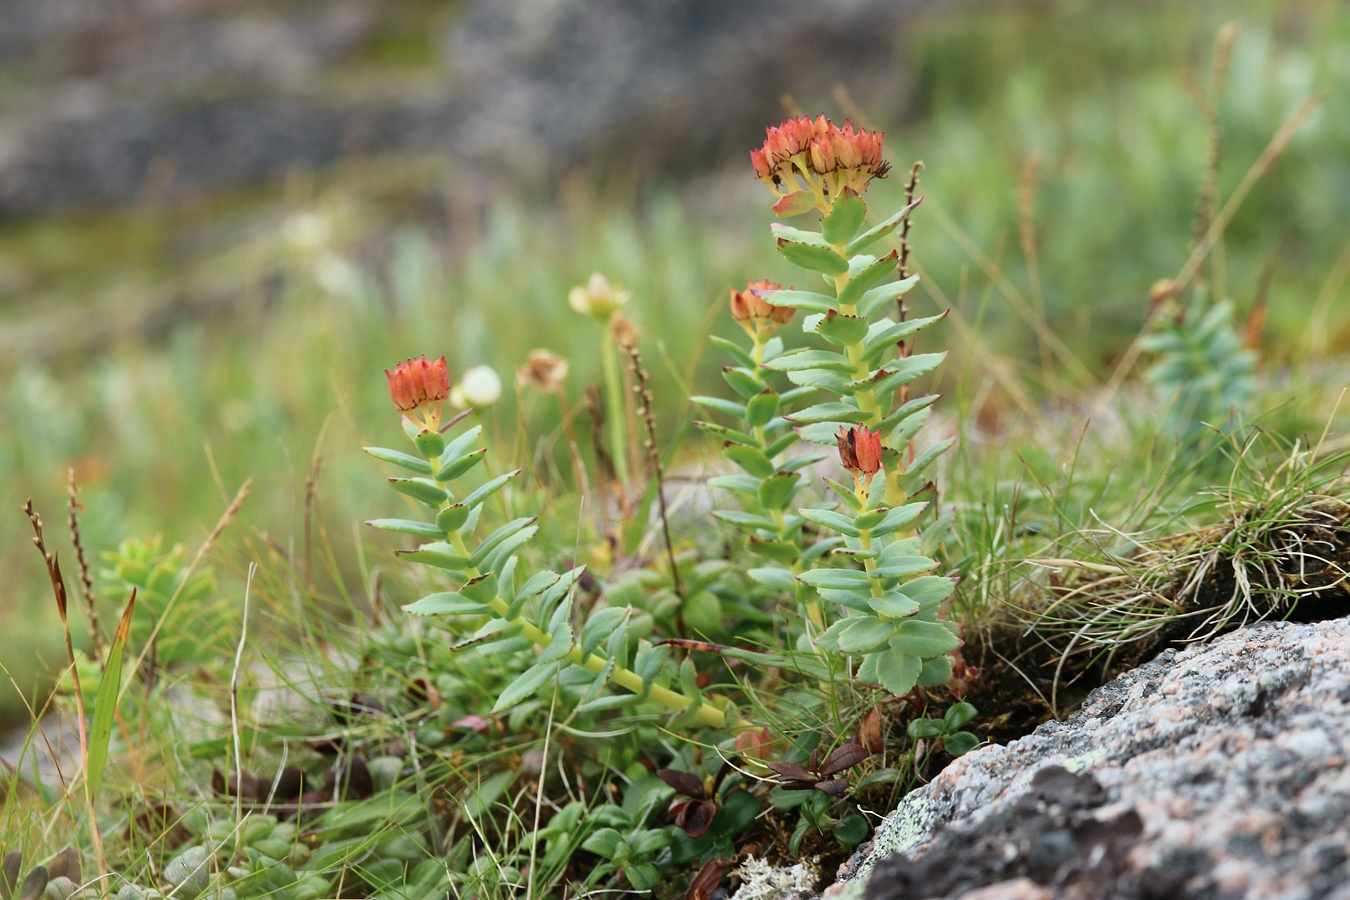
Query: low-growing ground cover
575, 681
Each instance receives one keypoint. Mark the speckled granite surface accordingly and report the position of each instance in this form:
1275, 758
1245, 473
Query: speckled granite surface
1215, 772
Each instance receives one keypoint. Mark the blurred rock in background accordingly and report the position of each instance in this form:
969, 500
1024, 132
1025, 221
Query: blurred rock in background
152, 100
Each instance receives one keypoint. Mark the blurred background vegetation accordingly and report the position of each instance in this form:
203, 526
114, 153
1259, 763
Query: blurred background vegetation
171, 346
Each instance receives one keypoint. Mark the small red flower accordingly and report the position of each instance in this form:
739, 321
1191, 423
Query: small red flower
859, 449
419, 384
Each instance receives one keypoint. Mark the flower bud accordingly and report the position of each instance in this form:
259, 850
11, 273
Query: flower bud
748, 306
544, 369
479, 387
420, 385
597, 297
859, 449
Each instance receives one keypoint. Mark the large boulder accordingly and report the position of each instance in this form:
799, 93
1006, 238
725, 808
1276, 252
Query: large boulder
153, 99
1215, 771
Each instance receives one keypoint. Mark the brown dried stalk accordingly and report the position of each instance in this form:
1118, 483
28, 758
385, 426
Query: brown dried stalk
644, 394
86, 583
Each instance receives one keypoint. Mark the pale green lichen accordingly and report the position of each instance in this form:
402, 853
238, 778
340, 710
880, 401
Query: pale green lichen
761, 881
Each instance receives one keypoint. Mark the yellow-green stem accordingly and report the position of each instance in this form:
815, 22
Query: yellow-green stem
707, 714
614, 410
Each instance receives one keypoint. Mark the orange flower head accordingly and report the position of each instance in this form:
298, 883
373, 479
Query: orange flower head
859, 449
818, 156
748, 307
419, 384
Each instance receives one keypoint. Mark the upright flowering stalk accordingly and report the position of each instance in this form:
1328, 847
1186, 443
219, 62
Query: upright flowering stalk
766, 487
813, 165
535, 616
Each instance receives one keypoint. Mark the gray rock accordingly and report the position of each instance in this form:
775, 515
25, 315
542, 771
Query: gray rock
145, 100
1217, 771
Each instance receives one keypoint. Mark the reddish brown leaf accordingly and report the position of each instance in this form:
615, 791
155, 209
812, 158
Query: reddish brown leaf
686, 783
834, 787
791, 771
844, 757
696, 817
707, 880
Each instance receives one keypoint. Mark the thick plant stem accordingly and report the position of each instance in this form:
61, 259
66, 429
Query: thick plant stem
707, 714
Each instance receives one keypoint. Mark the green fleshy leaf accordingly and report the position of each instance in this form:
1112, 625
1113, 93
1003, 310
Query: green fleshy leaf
820, 433
489, 488
726, 434
958, 715
907, 568
745, 519
496, 537
733, 350
800, 235
816, 257
405, 460
833, 411
897, 672
722, 405
898, 551
421, 490
924, 639
503, 551
893, 604
936, 672
742, 381
773, 577
811, 359
904, 432
907, 409
795, 203
929, 590
610, 701
871, 272
529, 681
452, 518
429, 443
536, 584
446, 604
845, 493
780, 444
460, 445
921, 462
865, 634
837, 579
778, 551
599, 626
902, 371
899, 518
850, 598
841, 330
761, 409
960, 744
877, 232
883, 335
483, 588
751, 460
823, 379
438, 554
461, 465
649, 662
832, 520
407, 526
559, 644
807, 300
879, 296
778, 490
829, 638
740, 483
844, 218
797, 463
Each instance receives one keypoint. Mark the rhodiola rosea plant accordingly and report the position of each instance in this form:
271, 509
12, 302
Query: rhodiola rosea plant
862, 602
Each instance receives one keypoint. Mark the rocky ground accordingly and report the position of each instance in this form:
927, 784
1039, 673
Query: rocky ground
1218, 771
152, 100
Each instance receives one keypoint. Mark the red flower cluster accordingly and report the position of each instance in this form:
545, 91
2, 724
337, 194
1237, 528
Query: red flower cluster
419, 383
817, 150
859, 449
748, 306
